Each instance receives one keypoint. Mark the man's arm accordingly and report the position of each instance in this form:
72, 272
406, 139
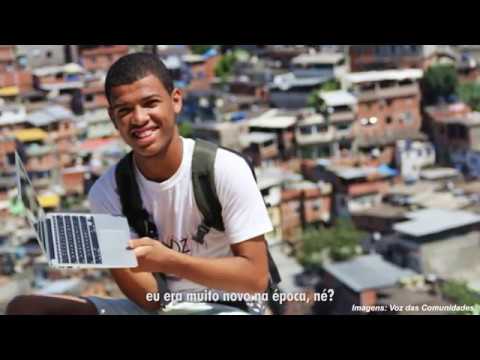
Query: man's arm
246, 271
136, 286
104, 199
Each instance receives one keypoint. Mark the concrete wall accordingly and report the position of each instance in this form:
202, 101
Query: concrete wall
43, 55
457, 254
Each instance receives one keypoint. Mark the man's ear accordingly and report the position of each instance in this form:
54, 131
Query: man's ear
112, 117
177, 100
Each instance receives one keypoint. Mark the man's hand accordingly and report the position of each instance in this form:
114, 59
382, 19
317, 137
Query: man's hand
152, 255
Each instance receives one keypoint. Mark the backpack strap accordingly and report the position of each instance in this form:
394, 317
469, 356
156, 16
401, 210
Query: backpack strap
203, 178
132, 207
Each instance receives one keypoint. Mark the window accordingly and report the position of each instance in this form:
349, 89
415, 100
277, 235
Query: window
11, 158
321, 128
89, 97
306, 130
408, 117
345, 126
388, 120
48, 54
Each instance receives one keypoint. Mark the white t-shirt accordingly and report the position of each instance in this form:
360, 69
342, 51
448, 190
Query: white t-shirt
175, 213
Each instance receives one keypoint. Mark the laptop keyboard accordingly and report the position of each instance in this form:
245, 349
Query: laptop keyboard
78, 242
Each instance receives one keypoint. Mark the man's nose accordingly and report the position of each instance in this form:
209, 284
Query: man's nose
140, 116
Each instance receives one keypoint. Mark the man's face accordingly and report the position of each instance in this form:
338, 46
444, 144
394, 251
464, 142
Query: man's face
144, 113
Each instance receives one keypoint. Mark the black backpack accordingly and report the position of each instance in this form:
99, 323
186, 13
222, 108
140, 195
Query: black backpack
203, 180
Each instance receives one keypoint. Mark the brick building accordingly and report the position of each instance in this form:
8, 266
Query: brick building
455, 131
14, 80
382, 57
102, 57
358, 281
388, 104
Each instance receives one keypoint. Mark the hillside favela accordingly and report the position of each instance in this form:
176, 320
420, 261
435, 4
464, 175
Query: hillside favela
367, 156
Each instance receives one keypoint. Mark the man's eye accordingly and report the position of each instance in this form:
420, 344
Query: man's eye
152, 103
122, 112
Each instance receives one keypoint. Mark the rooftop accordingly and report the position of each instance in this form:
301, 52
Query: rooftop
193, 58
272, 176
71, 68
258, 137
272, 122
350, 172
34, 134
286, 81
10, 115
215, 125
440, 173
441, 112
338, 98
367, 272
432, 221
312, 119
385, 211
471, 119
320, 58
373, 76
50, 114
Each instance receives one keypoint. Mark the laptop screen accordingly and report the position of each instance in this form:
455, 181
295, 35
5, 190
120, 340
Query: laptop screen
33, 211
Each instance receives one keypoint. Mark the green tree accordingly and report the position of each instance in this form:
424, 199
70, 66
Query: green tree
459, 293
185, 129
200, 49
439, 81
330, 85
337, 243
225, 66
469, 93
315, 101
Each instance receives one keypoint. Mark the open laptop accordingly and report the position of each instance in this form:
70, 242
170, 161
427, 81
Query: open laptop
76, 240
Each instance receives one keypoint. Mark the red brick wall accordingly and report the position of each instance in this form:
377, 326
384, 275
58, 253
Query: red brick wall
73, 182
368, 61
42, 163
7, 57
382, 110
290, 214
102, 58
6, 147
317, 208
380, 186
23, 79
368, 297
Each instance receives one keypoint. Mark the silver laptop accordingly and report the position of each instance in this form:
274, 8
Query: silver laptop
76, 240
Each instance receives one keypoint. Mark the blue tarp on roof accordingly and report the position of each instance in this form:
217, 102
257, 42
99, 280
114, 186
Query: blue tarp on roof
238, 116
210, 53
387, 170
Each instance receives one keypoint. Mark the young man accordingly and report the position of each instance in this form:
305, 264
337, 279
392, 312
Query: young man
143, 105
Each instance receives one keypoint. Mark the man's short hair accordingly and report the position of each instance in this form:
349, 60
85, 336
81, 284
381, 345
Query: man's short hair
136, 66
